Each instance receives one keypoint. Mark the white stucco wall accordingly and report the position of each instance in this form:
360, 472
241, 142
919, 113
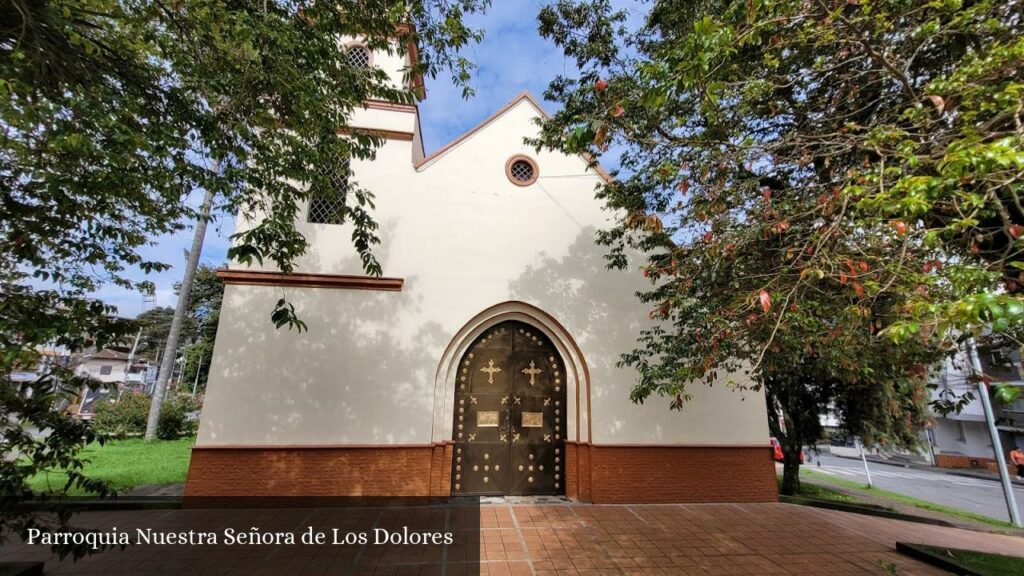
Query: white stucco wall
94, 369
974, 442
464, 238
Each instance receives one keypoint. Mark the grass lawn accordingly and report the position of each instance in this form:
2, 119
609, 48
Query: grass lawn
903, 499
128, 463
819, 492
980, 562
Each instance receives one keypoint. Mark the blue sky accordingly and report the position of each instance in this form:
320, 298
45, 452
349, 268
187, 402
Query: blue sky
512, 57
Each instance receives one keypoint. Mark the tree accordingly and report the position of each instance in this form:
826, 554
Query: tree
204, 315
163, 375
201, 321
113, 113
154, 324
744, 130
205, 302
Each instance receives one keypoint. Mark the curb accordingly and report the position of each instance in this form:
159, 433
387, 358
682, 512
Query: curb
912, 465
1013, 481
90, 505
866, 509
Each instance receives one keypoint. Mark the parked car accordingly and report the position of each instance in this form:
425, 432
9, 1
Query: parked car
777, 451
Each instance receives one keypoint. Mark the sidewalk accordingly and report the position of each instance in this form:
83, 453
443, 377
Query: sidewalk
551, 540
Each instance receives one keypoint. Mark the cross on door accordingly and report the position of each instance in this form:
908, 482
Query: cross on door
490, 370
532, 371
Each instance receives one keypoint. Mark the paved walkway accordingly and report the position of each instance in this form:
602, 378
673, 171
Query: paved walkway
544, 540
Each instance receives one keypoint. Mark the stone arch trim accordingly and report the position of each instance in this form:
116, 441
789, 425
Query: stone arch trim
577, 394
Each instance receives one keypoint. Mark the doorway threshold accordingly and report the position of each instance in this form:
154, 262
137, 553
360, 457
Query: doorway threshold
491, 500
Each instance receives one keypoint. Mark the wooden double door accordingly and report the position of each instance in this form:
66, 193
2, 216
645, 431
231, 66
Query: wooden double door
510, 414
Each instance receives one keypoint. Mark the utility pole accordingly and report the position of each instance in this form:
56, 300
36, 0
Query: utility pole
170, 349
864, 459
199, 369
997, 445
128, 365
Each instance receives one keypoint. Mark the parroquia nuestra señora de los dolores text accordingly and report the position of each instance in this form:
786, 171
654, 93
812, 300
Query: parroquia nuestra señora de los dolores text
233, 537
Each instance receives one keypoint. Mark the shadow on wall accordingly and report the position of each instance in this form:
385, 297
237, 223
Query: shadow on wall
308, 391
600, 309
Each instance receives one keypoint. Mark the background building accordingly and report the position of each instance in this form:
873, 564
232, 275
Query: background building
962, 440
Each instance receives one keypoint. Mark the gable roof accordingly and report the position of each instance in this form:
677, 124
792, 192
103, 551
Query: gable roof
524, 95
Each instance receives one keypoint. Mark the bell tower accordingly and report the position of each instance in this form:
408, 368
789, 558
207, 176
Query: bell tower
382, 118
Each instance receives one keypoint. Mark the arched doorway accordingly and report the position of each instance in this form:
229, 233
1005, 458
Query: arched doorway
510, 414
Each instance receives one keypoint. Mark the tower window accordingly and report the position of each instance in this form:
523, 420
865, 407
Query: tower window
359, 56
328, 207
521, 170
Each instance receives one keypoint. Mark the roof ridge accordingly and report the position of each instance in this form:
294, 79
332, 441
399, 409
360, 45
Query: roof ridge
523, 95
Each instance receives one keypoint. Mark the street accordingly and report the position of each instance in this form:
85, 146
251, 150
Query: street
971, 494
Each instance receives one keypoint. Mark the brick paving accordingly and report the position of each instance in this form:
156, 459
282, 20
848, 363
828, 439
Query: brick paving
542, 540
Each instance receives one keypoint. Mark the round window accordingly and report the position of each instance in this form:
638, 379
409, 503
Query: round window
522, 171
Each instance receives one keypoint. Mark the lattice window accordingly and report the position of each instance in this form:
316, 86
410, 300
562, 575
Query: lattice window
521, 171
359, 56
328, 208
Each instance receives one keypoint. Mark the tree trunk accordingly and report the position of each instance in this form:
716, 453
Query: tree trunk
791, 446
170, 349
787, 433
790, 472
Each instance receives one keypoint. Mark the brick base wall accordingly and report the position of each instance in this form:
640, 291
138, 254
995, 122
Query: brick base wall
960, 461
320, 471
593, 473
606, 474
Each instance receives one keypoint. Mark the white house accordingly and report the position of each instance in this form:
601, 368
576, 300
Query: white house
109, 367
483, 362
962, 440
49, 358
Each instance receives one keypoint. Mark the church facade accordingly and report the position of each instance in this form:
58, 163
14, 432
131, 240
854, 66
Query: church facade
482, 362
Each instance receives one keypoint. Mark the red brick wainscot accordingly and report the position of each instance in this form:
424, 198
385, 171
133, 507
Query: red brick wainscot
961, 461
616, 473
349, 470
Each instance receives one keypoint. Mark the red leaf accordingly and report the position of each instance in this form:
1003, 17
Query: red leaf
766, 193
927, 266
900, 226
858, 289
766, 300
863, 266
940, 103
1016, 230
684, 186
618, 112
600, 85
